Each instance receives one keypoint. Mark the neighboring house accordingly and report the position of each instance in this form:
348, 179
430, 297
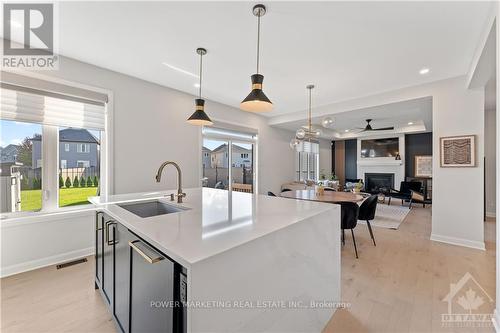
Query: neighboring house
241, 157
205, 157
9, 154
77, 149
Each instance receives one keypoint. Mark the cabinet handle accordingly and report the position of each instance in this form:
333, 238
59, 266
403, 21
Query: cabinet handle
143, 254
97, 221
110, 242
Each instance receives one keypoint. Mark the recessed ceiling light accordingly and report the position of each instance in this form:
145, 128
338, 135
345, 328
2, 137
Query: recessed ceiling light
410, 123
424, 71
180, 70
196, 85
346, 131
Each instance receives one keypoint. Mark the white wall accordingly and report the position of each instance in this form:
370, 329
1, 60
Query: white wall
490, 166
32, 243
149, 127
325, 156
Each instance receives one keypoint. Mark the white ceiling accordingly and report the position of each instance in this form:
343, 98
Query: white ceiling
348, 49
399, 115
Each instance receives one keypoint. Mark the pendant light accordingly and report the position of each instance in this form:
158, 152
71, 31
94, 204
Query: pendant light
199, 117
306, 133
257, 101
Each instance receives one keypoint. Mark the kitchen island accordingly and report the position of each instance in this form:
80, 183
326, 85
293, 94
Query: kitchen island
239, 262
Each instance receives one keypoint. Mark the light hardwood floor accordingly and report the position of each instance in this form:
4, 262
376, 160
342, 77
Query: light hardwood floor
397, 286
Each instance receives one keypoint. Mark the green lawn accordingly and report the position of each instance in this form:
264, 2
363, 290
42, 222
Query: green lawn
32, 199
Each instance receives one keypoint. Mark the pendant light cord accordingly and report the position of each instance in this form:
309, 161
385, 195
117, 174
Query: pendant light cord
310, 113
201, 66
258, 41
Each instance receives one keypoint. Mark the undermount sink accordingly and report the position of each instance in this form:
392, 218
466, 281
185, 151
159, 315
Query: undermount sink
151, 208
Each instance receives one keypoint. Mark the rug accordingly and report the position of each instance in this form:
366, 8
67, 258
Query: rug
389, 217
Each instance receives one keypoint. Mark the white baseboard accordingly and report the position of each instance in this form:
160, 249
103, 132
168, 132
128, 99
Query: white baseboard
458, 241
496, 321
44, 262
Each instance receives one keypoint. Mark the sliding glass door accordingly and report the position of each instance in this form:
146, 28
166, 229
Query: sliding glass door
242, 166
215, 160
228, 160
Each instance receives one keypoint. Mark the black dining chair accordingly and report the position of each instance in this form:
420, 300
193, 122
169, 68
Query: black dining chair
271, 194
367, 213
285, 190
349, 219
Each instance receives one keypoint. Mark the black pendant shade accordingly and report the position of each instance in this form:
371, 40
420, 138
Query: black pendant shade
199, 117
257, 101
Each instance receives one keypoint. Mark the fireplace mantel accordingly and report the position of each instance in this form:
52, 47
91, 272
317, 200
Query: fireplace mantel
379, 161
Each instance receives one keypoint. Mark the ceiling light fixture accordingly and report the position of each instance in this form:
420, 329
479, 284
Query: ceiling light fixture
424, 71
346, 131
306, 133
257, 101
180, 70
199, 117
410, 123
327, 122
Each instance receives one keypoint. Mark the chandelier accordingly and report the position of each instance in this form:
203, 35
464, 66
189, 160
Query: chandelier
306, 133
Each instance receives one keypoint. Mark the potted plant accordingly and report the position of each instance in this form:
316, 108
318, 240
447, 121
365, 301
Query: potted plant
358, 187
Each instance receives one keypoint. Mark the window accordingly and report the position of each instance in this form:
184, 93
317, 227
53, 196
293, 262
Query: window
83, 164
307, 161
21, 168
225, 150
40, 126
83, 148
81, 178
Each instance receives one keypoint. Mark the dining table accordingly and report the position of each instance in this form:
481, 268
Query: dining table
326, 196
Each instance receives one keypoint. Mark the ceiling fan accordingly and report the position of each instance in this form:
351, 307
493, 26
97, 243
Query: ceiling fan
369, 127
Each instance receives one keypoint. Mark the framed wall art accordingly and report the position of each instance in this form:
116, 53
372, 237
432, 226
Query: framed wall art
458, 151
423, 166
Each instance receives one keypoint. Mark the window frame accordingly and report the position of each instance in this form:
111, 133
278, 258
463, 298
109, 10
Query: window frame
80, 148
255, 149
66, 147
303, 173
50, 150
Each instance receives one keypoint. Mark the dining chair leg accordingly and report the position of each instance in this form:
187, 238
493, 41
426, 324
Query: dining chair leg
343, 237
389, 203
411, 201
371, 232
402, 202
354, 241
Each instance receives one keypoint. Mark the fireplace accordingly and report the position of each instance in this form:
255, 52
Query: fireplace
378, 182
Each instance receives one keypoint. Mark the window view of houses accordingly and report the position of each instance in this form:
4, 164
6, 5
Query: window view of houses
216, 159
21, 166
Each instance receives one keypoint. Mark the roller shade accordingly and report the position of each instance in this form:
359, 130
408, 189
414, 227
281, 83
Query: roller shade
228, 134
28, 104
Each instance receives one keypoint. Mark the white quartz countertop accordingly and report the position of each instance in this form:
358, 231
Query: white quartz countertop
215, 220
